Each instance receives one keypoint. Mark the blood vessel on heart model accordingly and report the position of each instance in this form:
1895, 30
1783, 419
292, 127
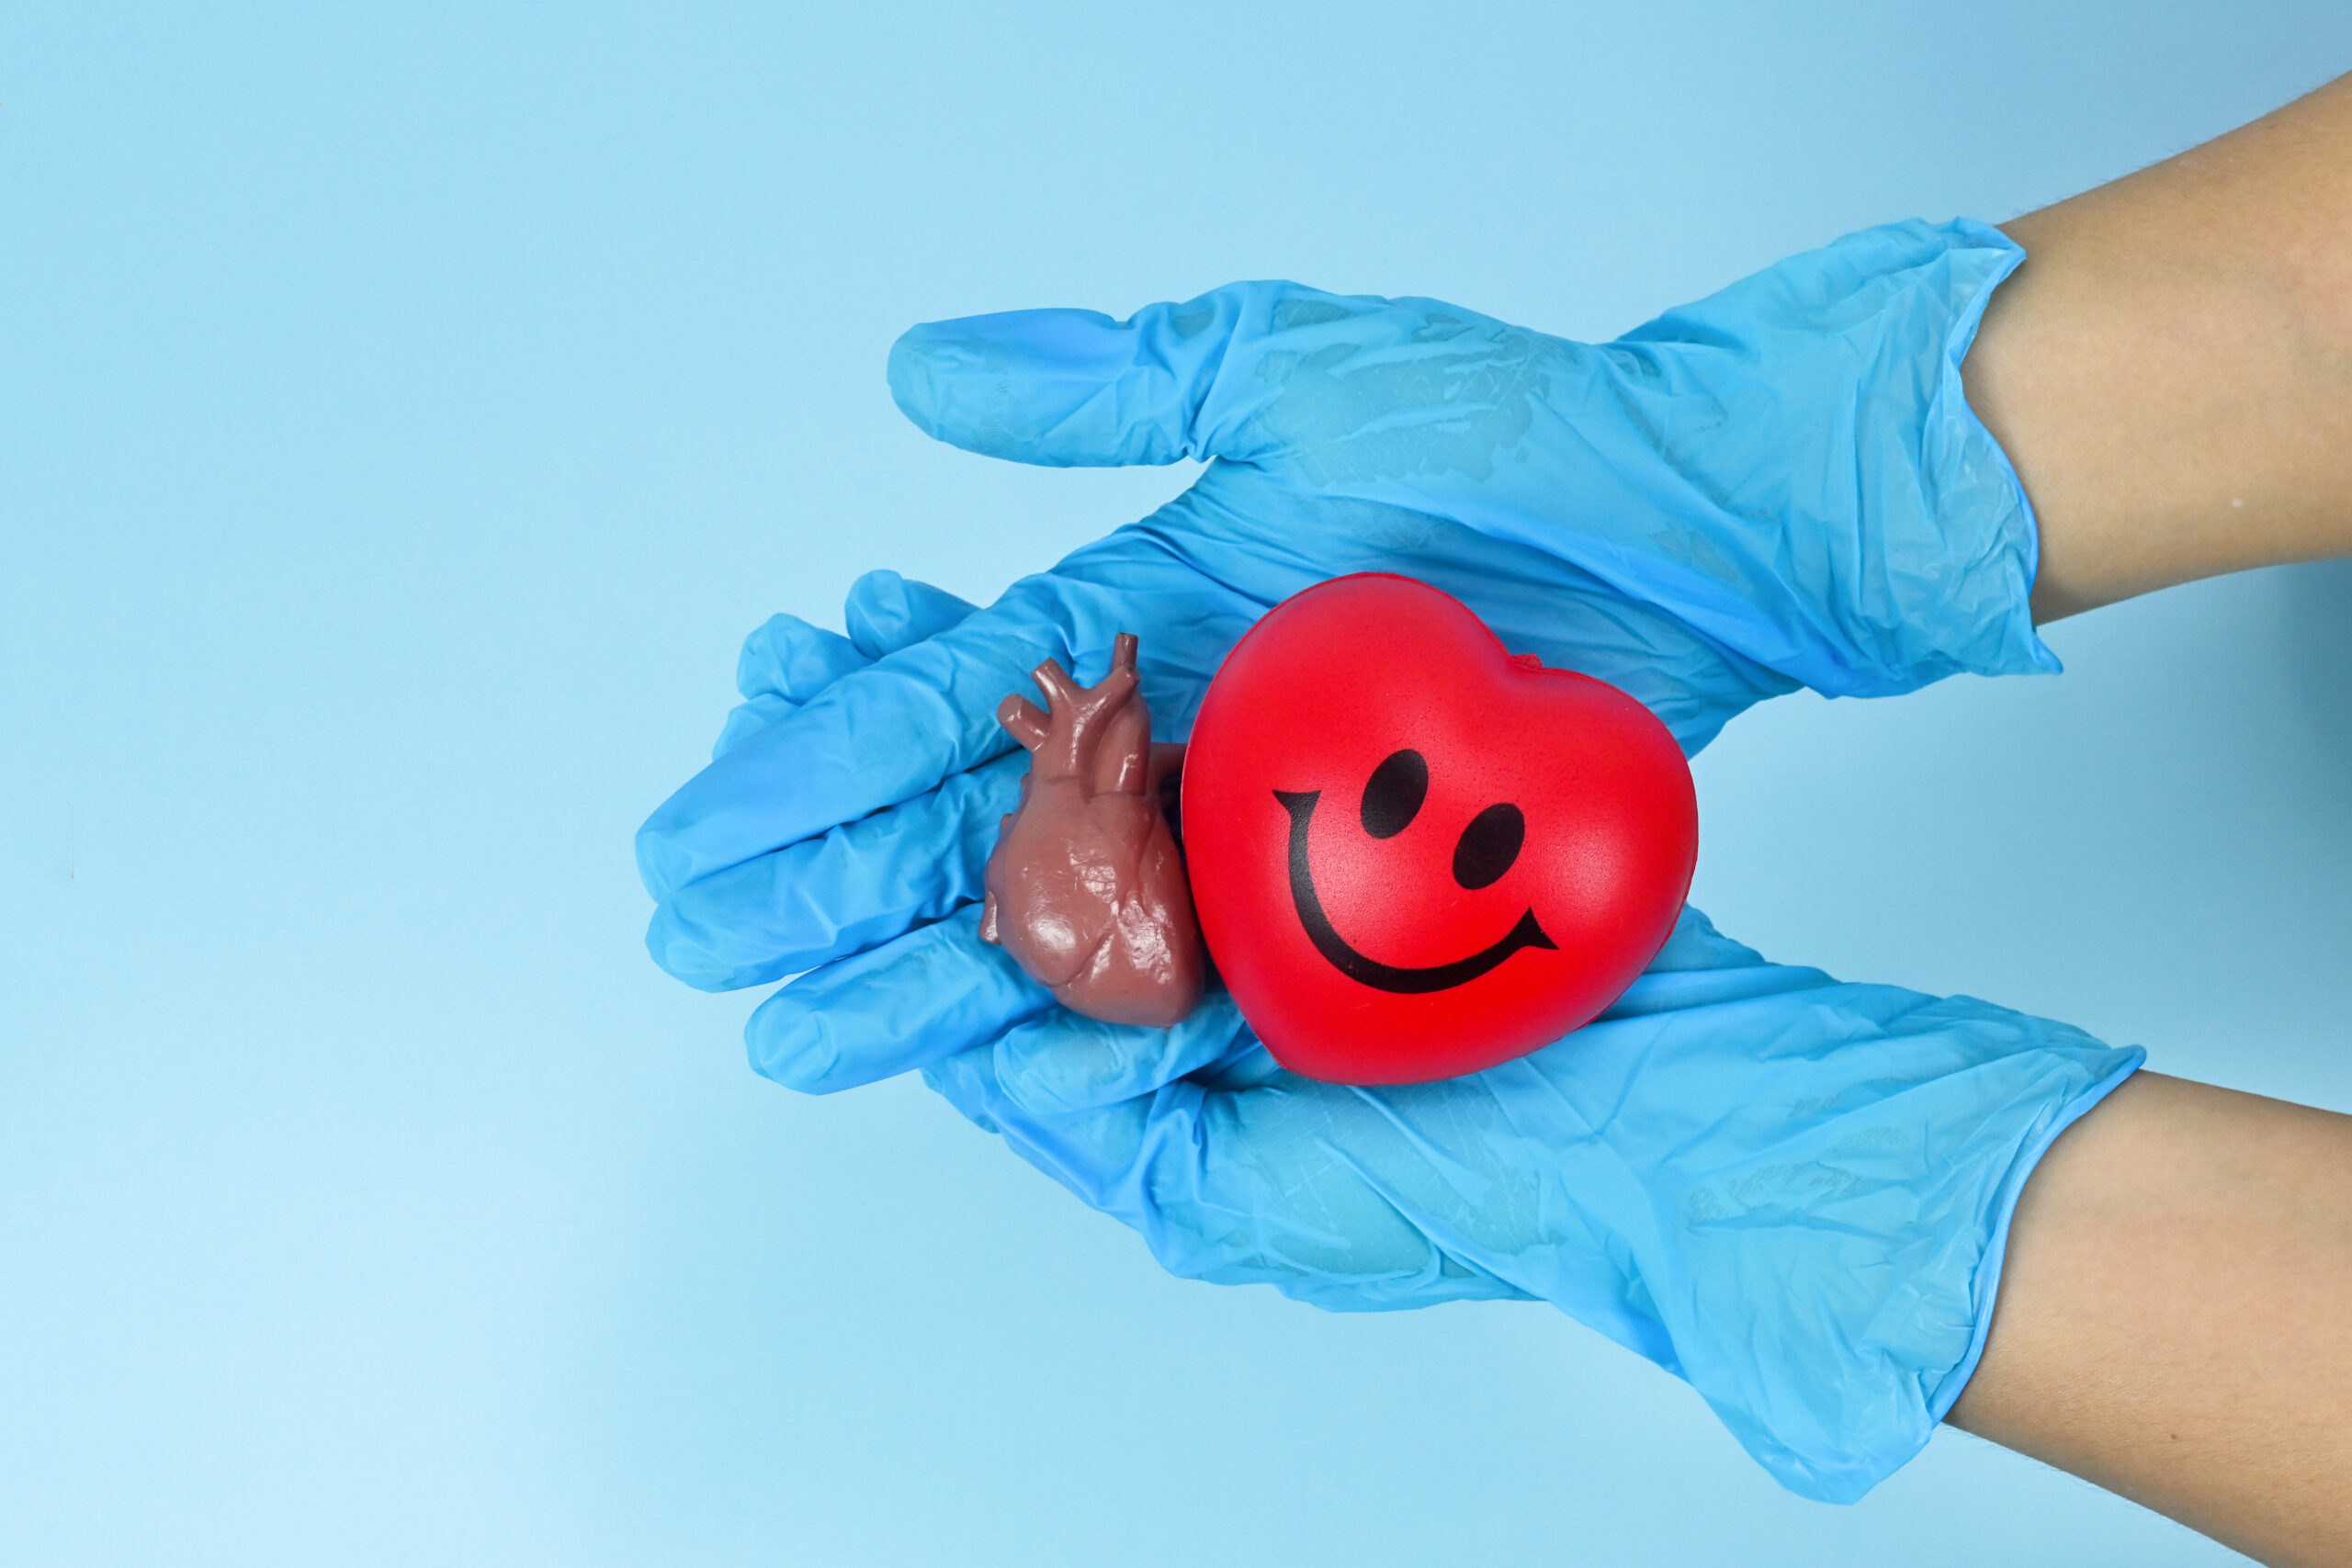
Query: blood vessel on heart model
1086, 889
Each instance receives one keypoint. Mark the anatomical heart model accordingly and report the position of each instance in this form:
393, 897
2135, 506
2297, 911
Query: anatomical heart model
1086, 889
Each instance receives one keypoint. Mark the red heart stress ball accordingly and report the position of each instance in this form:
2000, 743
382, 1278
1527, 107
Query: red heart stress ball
1413, 854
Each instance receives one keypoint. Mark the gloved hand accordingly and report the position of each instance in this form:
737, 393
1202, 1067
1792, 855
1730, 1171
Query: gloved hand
1782, 483
1788, 1191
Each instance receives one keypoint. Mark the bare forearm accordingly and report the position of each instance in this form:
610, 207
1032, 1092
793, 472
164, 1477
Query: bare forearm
2174, 1320
2171, 369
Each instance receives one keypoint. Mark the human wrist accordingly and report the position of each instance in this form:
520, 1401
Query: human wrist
2169, 1321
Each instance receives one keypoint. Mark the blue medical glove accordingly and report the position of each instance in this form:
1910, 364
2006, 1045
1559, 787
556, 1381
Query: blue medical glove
1780, 483
1792, 1193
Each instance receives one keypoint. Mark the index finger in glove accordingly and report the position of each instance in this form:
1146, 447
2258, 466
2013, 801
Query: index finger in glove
872, 739
840, 892
886, 612
893, 730
932, 992
785, 661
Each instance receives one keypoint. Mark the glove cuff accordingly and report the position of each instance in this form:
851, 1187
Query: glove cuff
1852, 524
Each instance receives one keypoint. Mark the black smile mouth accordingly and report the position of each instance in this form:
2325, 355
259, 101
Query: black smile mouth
1371, 971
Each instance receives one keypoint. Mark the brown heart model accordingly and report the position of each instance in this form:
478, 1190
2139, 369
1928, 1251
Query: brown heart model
1086, 889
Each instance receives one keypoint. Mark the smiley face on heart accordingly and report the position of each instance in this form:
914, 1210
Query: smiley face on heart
1414, 855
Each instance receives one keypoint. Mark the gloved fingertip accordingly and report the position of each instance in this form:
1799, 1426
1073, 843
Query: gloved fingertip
1064, 388
973, 381
660, 865
794, 1044
886, 613
752, 717
679, 956
785, 657
912, 385
875, 608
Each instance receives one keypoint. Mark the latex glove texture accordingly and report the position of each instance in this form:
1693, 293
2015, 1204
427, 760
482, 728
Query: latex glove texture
1788, 1191
1782, 483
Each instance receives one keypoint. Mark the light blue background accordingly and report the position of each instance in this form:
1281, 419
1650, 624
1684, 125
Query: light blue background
402, 419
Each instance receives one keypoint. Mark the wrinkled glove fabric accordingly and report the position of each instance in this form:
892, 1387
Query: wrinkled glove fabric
1792, 1192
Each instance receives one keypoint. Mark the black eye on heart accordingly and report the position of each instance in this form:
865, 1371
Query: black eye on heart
1393, 797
